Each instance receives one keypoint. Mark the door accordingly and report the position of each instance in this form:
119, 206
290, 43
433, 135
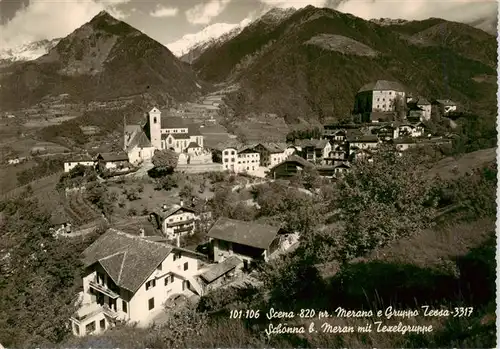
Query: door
185, 285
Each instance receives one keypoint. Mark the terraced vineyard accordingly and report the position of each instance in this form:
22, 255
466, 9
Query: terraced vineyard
79, 211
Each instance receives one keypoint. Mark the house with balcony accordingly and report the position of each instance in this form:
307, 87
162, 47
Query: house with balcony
175, 221
249, 241
314, 150
385, 133
128, 278
292, 166
271, 154
337, 155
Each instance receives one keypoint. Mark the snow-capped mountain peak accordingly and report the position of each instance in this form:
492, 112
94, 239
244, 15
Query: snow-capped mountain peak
29, 51
208, 34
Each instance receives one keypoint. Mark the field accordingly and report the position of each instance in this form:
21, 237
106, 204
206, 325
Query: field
148, 199
262, 128
450, 167
44, 122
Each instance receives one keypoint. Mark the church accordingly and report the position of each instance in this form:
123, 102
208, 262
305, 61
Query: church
161, 132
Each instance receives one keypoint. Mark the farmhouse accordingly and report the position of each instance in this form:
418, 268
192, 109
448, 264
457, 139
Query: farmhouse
175, 221
113, 161
289, 168
314, 150
445, 106
248, 241
82, 159
271, 154
128, 278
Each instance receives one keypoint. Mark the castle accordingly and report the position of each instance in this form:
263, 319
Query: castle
167, 132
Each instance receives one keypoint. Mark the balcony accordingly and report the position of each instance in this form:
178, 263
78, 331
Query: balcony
177, 224
89, 310
183, 229
103, 289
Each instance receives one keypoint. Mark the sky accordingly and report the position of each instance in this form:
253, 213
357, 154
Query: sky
23, 21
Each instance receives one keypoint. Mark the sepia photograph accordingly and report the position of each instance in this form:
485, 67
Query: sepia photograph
248, 174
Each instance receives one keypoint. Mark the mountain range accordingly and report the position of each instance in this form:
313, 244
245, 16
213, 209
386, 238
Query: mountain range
302, 65
102, 60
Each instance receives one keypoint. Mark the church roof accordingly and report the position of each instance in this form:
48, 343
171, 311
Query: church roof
140, 140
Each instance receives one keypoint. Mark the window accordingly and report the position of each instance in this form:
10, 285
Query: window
154, 120
102, 324
124, 306
177, 255
232, 152
390, 93
172, 278
90, 327
150, 284
226, 152
151, 303
186, 266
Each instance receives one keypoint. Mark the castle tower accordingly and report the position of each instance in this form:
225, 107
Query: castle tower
155, 127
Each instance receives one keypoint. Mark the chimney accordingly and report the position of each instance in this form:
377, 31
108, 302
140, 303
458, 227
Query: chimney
182, 203
141, 232
178, 240
164, 207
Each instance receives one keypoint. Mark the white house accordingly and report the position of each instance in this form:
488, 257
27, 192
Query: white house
271, 154
379, 96
240, 159
314, 150
426, 107
175, 220
82, 159
129, 278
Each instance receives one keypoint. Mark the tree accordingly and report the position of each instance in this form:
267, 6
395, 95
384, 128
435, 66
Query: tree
399, 106
186, 193
383, 200
165, 159
38, 283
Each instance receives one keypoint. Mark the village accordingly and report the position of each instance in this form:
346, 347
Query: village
134, 271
